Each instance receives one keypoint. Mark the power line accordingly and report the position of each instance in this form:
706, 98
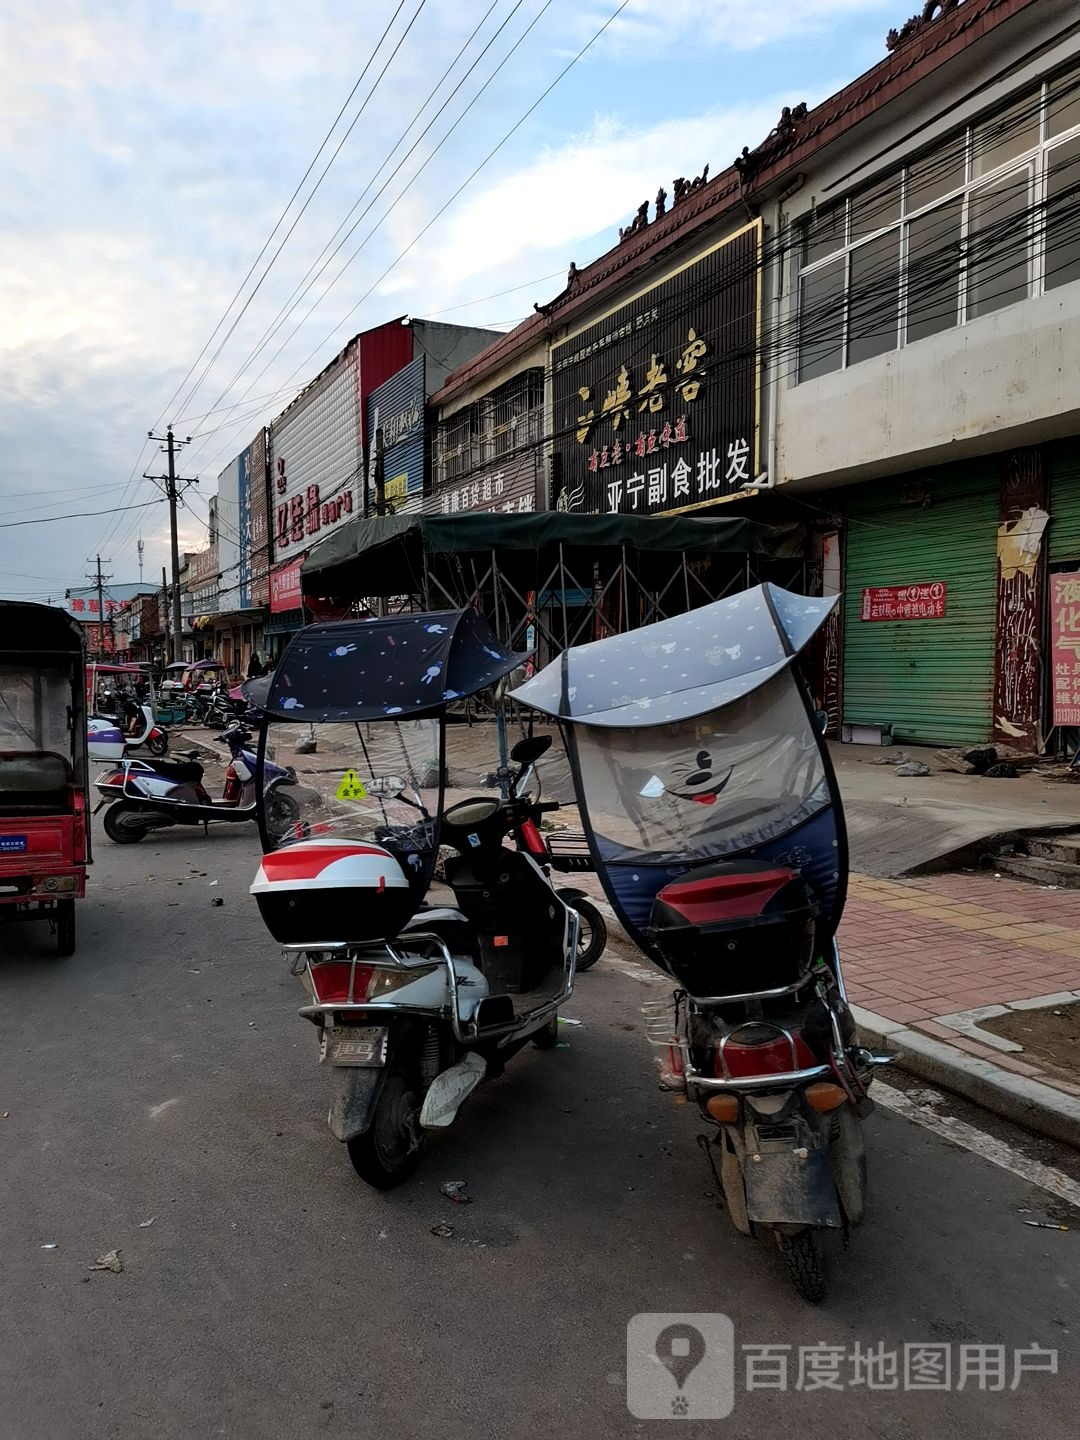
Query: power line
285, 238
316, 269
280, 220
76, 515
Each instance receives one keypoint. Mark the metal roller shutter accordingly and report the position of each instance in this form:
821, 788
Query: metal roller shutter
932, 680
1063, 470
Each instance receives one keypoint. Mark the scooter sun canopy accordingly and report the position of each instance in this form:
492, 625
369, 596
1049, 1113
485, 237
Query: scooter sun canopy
377, 669
679, 668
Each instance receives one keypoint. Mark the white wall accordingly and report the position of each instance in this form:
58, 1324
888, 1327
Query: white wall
1007, 379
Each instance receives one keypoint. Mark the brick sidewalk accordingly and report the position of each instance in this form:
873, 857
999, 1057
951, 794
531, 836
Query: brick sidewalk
918, 950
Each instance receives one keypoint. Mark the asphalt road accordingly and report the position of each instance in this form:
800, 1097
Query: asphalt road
162, 1075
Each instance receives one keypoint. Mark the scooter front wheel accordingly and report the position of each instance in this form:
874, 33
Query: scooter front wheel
282, 813
804, 1253
388, 1152
592, 933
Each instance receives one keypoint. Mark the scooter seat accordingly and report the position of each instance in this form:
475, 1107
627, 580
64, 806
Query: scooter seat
450, 925
179, 770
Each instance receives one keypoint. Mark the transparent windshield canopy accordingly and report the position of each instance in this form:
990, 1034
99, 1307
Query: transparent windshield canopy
720, 784
378, 782
36, 718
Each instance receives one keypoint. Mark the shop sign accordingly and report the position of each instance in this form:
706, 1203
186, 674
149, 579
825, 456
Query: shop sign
904, 602
1065, 646
509, 490
285, 588
656, 405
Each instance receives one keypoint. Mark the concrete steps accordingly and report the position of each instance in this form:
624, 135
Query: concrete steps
1043, 860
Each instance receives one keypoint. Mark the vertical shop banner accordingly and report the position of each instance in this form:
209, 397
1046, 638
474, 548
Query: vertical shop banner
657, 405
1065, 646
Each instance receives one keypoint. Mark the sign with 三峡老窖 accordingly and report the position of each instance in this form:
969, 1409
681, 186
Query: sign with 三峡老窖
1065, 646
904, 602
655, 406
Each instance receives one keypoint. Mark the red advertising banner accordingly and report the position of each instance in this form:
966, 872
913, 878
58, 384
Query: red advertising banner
904, 602
1065, 646
285, 591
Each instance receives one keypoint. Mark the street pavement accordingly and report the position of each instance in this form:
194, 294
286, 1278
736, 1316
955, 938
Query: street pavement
162, 1075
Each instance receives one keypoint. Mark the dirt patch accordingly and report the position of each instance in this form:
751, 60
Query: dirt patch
1050, 1037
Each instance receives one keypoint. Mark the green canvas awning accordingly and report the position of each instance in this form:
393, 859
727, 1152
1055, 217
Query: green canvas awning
387, 555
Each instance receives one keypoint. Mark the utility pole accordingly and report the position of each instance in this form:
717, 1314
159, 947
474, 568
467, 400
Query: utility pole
165, 611
169, 484
141, 547
99, 580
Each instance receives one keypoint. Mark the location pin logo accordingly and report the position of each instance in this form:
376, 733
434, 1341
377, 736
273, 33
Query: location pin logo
680, 1349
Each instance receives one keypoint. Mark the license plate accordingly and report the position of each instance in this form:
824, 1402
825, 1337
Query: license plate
12, 844
363, 1045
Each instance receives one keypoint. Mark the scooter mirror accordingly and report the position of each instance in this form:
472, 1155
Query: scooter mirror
529, 750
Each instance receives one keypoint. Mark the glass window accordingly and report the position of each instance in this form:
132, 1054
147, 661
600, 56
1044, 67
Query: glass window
875, 209
1065, 103
824, 233
1062, 262
874, 307
935, 175
821, 320
933, 270
998, 228
1009, 134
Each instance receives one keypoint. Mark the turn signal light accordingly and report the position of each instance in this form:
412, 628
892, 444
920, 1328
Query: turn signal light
723, 1108
824, 1097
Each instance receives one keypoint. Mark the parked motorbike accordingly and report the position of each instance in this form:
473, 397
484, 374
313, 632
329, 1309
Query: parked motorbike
715, 822
528, 815
415, 1000
142, 796
109, 738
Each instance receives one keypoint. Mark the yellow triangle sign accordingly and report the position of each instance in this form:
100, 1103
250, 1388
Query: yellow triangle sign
351, 787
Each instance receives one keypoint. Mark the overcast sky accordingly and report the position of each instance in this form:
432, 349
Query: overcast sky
147, 148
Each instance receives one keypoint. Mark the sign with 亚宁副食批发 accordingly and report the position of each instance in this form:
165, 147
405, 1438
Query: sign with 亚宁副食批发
1065, 646
655, 406
904, 602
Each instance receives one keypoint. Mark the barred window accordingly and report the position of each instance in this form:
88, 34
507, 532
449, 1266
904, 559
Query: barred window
988, 217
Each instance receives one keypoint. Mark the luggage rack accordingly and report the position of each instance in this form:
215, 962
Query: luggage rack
569, 851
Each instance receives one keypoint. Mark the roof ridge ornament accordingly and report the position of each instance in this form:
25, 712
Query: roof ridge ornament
931, 11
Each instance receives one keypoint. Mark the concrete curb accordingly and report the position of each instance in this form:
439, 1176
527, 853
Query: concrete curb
1014, 1097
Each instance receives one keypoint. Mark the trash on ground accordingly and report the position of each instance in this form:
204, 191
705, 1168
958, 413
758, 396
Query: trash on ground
217, 900
1003, 770
51, 1245
442, 1230
913, 768
213, 883
565, 1020
1045, 1225
455, 1190
895, 757
109, 1261
562, 1045
145, 1224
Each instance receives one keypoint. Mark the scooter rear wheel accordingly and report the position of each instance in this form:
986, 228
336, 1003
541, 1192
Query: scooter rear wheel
388, 1152
805, 1256
119, 824
282, 813
159, 746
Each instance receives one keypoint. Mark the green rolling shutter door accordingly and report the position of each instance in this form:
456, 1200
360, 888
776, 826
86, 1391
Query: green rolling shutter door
932, 680
1063, 470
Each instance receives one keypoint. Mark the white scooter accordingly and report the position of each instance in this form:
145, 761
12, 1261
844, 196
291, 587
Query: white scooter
106, 738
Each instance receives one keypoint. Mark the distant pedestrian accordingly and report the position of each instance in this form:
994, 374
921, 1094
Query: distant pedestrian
255, 666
